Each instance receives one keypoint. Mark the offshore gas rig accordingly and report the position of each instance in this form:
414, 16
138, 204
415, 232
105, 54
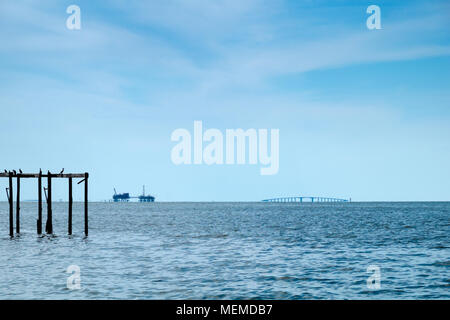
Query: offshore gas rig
125, 197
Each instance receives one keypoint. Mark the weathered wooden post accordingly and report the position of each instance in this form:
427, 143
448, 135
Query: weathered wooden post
11, 228
11, 206
70, 206
49, 224
86, 176
48, 197
18, 206
39, 221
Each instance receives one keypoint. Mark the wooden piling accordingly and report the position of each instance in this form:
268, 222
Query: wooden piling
49, 224
11, 206
70, 206
48, 194
86, 176
18, 206
39, 221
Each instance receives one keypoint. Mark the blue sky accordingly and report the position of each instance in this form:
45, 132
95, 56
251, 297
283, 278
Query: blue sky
362, 113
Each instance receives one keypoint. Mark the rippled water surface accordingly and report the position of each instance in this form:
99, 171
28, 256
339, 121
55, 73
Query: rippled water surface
231, 251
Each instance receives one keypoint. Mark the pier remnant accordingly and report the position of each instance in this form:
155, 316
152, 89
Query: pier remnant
39, 220
70, 207
86, 176
18, 206
48, 195
49, 223
11, 206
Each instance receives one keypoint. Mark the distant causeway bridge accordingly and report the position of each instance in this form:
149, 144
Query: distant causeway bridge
306, 199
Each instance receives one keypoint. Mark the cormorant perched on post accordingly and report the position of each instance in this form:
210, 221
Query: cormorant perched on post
40, 171
6, 171
62, 171
20, 171
14, 171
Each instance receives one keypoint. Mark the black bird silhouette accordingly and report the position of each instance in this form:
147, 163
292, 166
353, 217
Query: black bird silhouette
20, 171
40, 170
14, 171
62, 171
6, 171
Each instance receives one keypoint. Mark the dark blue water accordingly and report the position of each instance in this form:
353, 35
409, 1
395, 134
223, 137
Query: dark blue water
232, 251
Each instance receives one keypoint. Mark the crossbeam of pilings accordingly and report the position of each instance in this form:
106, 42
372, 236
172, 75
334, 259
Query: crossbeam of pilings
48, 196
43, 175
305, 199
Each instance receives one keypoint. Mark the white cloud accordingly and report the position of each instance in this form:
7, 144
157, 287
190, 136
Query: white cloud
107, 54
38, 36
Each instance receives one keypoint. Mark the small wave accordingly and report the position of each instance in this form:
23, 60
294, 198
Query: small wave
210, 236
441, 263
439, 246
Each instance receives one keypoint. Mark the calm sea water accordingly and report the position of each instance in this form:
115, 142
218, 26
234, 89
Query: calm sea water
232, 251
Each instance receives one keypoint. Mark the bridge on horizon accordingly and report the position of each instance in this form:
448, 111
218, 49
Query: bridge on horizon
306, 199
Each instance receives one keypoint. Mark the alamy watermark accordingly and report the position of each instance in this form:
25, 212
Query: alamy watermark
73, 22
230, 150
374, 21
74, 280
374, 281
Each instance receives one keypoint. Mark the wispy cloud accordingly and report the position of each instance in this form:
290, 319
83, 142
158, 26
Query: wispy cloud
215, 44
